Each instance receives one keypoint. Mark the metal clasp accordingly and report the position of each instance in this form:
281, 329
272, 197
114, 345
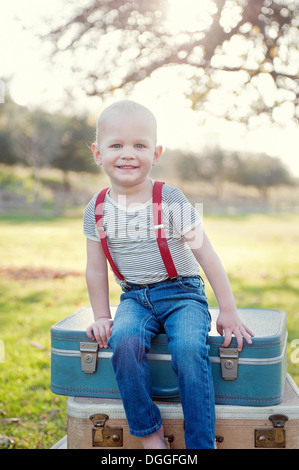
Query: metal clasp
89, 357
104, 436
275, 437
229, 363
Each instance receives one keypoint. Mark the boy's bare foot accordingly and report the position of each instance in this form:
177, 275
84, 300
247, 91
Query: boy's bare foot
154, 441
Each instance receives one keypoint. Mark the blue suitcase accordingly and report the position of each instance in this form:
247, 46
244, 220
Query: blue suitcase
254, 377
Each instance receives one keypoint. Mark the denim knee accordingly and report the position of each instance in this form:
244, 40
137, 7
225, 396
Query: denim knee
125, 342
187, 356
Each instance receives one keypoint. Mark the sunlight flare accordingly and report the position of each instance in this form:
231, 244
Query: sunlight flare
190, 15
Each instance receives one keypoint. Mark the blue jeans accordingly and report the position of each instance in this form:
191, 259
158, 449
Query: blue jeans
180, 308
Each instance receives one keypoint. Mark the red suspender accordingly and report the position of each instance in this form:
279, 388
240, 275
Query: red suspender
159, 230
99, 215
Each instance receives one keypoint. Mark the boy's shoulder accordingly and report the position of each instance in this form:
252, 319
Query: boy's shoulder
172, 192
92, 201
89, 210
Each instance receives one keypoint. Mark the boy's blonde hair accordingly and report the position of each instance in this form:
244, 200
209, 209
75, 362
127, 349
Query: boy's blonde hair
125, 107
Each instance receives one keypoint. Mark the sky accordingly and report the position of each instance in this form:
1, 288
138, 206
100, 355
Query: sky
33, 83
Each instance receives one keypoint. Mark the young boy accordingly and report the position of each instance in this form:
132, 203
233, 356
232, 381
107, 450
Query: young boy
152, 301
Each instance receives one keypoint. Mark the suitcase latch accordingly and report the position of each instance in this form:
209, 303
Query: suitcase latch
104, 436
89, 357
229, 363
275, 437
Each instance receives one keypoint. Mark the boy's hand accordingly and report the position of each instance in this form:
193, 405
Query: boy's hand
229, 324
100, 330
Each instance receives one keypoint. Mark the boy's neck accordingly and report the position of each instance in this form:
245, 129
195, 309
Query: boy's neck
133, 194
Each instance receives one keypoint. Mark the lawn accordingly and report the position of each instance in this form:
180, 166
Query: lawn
42, 266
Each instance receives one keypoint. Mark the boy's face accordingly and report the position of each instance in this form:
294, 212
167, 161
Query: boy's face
126, 147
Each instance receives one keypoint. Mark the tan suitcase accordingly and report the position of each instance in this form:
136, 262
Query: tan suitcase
100, 423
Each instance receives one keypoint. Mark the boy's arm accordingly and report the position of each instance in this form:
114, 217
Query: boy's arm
98, 289
228, 321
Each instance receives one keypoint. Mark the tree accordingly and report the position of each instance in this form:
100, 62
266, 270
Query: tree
260, 171
72, 155
7, 155
249, 46
216, 166
39, 139
213, 165
34, 141
7, 110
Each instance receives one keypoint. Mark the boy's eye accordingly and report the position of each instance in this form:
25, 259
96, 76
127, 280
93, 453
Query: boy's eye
118, 146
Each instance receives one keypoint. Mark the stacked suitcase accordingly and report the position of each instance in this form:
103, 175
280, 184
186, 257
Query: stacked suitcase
257, 402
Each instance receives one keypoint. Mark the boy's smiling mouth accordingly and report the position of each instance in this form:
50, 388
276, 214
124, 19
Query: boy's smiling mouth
127, 167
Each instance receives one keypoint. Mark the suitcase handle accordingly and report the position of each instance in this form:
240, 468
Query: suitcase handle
165, 392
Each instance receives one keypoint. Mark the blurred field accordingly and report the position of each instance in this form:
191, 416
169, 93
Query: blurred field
42, 266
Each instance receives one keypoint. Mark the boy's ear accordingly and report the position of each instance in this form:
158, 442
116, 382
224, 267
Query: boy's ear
157, 154
96, 154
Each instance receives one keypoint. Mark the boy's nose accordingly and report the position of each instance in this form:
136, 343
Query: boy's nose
127, 152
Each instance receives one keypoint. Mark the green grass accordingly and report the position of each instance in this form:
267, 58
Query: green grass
259, 253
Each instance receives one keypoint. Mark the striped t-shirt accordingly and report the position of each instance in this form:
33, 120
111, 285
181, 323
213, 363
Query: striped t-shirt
131, 236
